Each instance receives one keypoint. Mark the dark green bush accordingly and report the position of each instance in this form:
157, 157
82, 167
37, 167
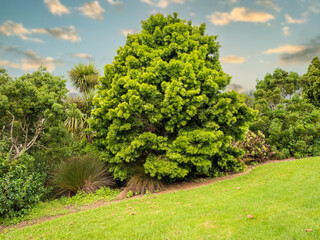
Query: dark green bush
21, 186
85, 173
255, 148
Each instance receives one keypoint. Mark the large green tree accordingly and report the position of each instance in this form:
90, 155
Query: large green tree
311, 83
290, 124
161, 104
31, 108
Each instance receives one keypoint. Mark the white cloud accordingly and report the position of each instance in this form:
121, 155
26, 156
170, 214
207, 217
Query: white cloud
125, 32
239, 14
269, 4
34, 61
162, 3
291, 20
285, 49
56, 8
65, 33
30, 60
83, 56
115, 3
286, 30
5, 63
10, 28
92, 10
233, 59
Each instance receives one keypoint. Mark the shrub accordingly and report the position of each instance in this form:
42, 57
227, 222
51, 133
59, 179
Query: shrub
21, 186
255, 148
86, 173
161, 104
141, 183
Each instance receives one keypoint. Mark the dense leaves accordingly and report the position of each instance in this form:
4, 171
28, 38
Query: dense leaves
21, 185
290, 124
160, 104
30, 107
311, 83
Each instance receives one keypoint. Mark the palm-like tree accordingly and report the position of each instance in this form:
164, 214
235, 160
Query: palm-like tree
84, 77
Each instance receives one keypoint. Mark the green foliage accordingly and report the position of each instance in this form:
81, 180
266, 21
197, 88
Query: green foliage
255, 148
84, 77
275, 88
290, 124
103, 193
311, 83
21, 185
130, 194
85, 173
160, 104
30, 108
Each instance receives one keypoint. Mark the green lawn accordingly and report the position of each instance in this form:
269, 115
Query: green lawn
281, 200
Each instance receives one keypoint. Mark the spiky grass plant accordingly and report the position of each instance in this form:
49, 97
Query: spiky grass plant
86, 173
141, 182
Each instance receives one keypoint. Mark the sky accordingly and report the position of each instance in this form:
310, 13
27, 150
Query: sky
256, 36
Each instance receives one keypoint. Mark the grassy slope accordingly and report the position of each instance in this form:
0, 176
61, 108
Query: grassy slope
283, 198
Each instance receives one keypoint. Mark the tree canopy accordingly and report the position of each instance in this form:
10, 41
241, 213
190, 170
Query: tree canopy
161, 104
29, 106
311, 83
290, 123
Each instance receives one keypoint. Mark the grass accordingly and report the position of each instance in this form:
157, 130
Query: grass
275, 201
64, 205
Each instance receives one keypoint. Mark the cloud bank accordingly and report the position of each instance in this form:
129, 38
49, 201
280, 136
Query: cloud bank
239, 14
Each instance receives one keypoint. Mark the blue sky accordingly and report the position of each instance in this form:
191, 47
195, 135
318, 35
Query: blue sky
256, 36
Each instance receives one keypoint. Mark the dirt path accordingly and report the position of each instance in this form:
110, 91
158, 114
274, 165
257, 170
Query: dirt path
170, 188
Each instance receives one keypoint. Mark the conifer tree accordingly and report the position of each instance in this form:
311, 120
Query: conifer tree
161, 104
